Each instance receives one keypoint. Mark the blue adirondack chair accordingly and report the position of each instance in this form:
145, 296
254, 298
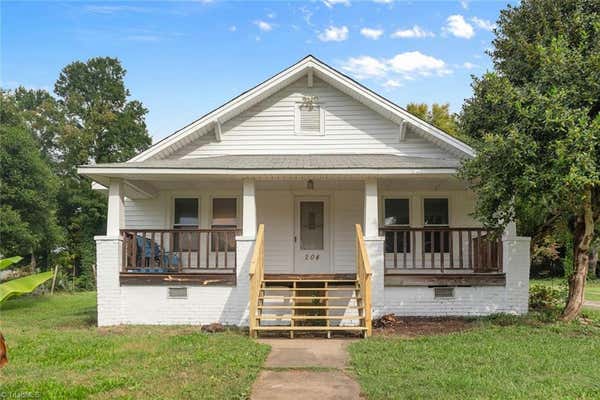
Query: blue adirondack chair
153, 256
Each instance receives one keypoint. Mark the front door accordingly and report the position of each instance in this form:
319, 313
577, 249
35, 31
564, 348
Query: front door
311, 236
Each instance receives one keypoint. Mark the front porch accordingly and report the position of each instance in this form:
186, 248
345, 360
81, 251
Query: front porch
192, 238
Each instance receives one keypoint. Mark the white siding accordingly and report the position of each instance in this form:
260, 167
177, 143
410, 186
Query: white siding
147, 213
274, 208
348, 211
350, 127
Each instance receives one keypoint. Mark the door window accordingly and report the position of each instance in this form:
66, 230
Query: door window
312, 216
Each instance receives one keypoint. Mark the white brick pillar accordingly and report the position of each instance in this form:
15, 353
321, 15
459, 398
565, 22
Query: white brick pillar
374, 244
108, 263
516, 262
245, 249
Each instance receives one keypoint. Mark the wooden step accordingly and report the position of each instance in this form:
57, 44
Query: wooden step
310, 328
305, 289
273, 297
311, 307
310, 281
274, 317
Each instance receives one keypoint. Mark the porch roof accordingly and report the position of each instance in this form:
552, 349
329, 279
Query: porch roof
288, 162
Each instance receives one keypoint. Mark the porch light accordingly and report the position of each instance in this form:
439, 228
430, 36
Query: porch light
310, 185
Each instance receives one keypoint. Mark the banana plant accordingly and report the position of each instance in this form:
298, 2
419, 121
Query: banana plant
24, 285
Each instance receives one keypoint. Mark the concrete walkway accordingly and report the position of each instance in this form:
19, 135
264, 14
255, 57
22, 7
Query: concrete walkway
592, 304
306, 369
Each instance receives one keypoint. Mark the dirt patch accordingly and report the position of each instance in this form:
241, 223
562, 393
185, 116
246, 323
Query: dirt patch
411, 327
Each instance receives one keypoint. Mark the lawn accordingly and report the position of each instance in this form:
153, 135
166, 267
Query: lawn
522, 360
57, 352
592, 287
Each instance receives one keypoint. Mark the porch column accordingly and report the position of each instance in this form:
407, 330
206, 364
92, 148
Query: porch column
245, 249
249, 209
371, 208
116, 208
374, 244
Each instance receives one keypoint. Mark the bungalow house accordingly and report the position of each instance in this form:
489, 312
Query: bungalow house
308, 202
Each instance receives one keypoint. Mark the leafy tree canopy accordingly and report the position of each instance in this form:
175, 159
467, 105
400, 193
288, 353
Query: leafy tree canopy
439, 116
535, 121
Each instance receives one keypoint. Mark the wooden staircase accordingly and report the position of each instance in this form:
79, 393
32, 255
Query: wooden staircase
315, 303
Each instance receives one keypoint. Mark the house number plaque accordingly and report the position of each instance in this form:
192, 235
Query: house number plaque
311, 257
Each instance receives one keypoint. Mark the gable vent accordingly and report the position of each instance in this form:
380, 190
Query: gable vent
443, 292
310, 118
178, 293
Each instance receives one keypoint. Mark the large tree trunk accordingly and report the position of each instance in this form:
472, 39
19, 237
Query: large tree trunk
582, 238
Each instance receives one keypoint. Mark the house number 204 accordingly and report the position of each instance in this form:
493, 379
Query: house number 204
311, 257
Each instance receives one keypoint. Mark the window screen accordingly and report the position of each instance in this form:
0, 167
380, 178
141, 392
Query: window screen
396, 212
436, 214
185, 217
224, 216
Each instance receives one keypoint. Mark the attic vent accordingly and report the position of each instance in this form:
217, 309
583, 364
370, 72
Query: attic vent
309, 117
443, 292
178, 293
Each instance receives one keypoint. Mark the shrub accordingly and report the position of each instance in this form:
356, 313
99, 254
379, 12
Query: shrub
546, 297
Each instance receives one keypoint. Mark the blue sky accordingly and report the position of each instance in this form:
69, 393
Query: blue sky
186, 58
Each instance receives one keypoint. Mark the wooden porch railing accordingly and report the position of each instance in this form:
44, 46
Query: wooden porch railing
257, 274
441, 249
179, 250
363, 276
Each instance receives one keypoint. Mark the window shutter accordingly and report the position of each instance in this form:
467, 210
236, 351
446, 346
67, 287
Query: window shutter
310, 119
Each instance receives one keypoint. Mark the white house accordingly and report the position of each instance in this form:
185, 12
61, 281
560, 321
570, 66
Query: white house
359, 202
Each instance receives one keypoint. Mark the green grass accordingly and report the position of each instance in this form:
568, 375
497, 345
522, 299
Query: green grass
592, 287
525, 359
57, 352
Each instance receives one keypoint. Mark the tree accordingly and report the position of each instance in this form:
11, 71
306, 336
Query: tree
536, 125
28, 223
102, 125
109, 127
439, 116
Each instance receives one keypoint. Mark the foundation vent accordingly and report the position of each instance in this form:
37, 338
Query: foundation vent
178, 293
443, 292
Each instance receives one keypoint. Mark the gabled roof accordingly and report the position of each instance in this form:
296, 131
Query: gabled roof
312, 65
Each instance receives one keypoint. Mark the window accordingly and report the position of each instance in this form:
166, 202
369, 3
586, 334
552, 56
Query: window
186, 217
396, 214
435, 212
309, 117
224, 216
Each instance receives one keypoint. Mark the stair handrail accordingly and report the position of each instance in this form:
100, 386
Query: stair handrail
257, 274
363, 275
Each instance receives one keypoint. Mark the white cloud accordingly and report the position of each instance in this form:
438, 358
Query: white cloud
414, 32
468, 65
392, 83
271, 15
483, 23
365, 67
392, 71
263, 26
371, 33
415, 63
383, 1
334, 34
464, 4
331, 3
232, 28
457, 26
